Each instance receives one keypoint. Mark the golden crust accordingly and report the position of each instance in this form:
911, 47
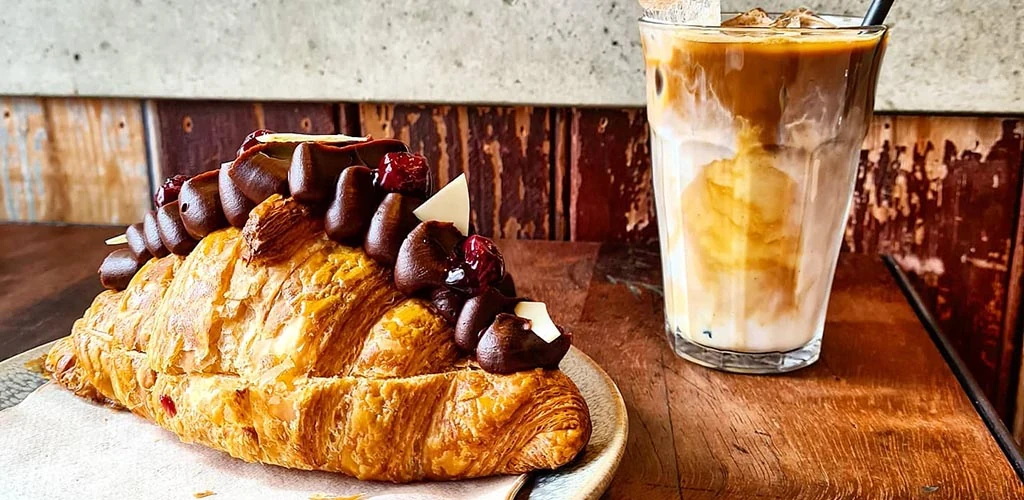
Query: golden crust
311, 360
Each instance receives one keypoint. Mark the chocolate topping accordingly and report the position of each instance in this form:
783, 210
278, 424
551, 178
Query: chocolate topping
393, 221
151, 236
117, 269
426, 256
315, 169
372, 152
200, 205
431, 259
251, 140
285, 150
477, 314
172, 230
235, 204
509, 346
137, 241
258, 176
507, 285
348, 217
447, 302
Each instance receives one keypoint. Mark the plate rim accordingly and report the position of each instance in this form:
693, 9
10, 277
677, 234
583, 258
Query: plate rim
617, 446
594, 485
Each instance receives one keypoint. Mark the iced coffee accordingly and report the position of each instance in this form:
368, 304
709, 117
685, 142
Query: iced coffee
756, 130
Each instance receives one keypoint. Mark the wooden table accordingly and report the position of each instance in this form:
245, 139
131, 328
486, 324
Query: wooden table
883, 414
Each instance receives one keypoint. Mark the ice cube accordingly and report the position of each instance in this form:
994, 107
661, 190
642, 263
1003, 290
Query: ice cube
693, 12
751, 18
801, 18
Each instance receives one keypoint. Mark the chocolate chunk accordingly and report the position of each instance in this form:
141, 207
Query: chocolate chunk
355, 200
151, 236
117, 269
314, 171
477, 314
235, 204
258, 176
370, 153
392, 222
447, 302
200, 205
251, 140
172, 230
135, 234
509, 346
425, 256
285, 149
507, 285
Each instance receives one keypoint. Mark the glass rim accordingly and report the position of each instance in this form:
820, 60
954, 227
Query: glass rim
873, 28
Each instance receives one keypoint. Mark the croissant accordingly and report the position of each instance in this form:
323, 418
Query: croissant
276, 344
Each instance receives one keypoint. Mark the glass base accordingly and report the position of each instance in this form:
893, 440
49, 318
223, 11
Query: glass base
753, 363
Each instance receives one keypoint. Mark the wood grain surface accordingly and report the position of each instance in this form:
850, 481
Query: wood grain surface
505, 153
43, 288
72, 160
196, 136
941, 194
879, 416
1013, 324
610, 173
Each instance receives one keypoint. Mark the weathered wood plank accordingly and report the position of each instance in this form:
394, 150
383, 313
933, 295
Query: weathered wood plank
940, 194
72, 160
561, 178
196, 136
504, 151
1013, 324
610, 170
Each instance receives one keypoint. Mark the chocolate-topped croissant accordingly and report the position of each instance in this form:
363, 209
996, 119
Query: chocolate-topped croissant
278, 344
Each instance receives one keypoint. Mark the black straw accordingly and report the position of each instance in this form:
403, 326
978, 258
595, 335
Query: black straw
877, 12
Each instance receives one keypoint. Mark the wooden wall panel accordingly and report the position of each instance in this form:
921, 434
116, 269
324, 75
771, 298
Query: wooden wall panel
196, 136
1013, 324
610, 174
505, 152
941, 194
72, 160
561, 182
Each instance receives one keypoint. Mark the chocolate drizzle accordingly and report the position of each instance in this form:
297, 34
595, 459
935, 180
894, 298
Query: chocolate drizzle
172, 229
200, 205
349, 215
392, 222
135, 234
338, 183
258, 176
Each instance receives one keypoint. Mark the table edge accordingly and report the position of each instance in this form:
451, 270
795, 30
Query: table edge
967, 382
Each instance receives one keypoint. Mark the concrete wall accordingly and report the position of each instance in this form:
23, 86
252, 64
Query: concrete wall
945, 55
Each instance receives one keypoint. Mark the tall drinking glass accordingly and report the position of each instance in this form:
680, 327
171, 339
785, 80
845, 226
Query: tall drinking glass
756, 134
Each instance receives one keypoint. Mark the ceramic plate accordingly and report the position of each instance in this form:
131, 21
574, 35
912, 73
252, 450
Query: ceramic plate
586, 478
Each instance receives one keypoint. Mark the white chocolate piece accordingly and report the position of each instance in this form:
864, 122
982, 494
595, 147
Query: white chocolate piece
289, 137
450, 204
540, 321
117, 240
